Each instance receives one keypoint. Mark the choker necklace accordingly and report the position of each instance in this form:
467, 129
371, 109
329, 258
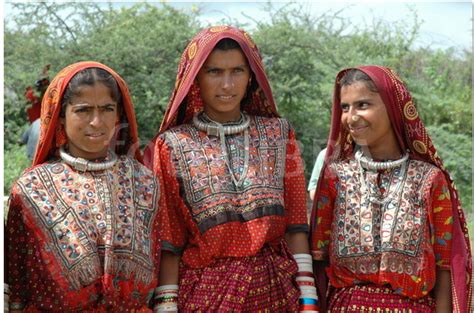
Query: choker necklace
84, 165
370, 164
213, 128
373, 191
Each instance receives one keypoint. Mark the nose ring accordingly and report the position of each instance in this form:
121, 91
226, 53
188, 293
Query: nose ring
355, 118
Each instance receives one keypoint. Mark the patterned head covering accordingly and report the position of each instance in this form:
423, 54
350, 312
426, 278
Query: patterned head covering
52, 134
412, 136
185, 100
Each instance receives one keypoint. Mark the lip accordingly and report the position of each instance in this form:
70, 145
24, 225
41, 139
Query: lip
225, 97
95, 135
357, 129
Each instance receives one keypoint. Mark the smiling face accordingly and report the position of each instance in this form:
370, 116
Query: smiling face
223, 80
89, 122
365, 117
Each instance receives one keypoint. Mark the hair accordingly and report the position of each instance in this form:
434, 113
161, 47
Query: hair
90, 77
226, 44
355, 75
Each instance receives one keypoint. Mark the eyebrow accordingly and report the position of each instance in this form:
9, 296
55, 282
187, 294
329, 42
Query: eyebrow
85, 104
217, 67
359, 101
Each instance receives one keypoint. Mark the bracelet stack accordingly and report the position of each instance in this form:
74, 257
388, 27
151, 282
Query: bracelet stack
166, 299
305, 280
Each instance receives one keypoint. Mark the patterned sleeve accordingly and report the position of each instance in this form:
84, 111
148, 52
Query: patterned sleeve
171, 220
441, 221
294, 185
17, 246
322, 215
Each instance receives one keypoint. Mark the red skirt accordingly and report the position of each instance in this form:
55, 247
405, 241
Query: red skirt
371, 298
264, 282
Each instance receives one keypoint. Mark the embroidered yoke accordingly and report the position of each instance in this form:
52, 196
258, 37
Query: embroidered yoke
83, 240
207, 216
399, 243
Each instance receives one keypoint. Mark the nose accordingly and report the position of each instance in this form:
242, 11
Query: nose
352, 115
227, 81
96, 118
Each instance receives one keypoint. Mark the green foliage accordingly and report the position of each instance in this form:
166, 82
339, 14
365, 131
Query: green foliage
302, 54
15, 162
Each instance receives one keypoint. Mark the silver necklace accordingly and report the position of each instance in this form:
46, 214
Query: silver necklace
213, 128
84, 165
370, 164
374, 193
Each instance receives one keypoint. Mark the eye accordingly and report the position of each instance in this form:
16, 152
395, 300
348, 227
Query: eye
81, 110
213, 71
363, 105
344, 107
238, 70
109, 109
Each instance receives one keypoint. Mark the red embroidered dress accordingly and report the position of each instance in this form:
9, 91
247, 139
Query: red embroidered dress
399, 243
82, 241
384, 256
230, 236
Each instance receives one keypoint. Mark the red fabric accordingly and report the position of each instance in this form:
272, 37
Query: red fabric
194, 57
244, 285
230, 239
371, 298
412, 136
82, 241
414, 285
51, 131
34, 111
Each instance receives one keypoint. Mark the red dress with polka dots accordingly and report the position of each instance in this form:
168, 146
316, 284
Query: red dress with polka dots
83, 241
396, 245
208, 219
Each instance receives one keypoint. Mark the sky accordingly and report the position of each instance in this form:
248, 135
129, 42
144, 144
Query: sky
444, 24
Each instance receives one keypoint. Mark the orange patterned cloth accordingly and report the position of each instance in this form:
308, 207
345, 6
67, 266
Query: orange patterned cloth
438, 189
83, 241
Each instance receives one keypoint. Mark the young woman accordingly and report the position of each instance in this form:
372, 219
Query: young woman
234, 177
387, 215
82, 228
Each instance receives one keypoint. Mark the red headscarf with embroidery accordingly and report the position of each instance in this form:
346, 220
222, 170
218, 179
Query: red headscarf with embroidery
52, 134
186, 99
412, 136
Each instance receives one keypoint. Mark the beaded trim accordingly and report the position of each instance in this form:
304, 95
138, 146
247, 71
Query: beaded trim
84, 165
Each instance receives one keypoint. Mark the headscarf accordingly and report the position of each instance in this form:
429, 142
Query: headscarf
186, 92
52, 133
411, 136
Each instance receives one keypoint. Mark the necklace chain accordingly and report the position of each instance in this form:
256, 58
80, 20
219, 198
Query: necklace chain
364, 163
213, 128
84, 165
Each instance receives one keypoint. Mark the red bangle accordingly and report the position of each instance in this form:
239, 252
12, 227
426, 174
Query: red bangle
305, 283
307, 274
308, 307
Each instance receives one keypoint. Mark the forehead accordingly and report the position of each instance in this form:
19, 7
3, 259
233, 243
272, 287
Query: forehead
226, 58
93, 94
357, 89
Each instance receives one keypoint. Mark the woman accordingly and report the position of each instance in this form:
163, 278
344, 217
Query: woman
234, 176
82, 225
387, 215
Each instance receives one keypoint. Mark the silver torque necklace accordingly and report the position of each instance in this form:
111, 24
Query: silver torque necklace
364, 163
84, 165
213, 128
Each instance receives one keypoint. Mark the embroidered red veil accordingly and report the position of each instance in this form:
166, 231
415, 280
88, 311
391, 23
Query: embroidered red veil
193, 58
412, 136
52, 133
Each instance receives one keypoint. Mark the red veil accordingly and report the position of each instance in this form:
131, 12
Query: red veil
412, 136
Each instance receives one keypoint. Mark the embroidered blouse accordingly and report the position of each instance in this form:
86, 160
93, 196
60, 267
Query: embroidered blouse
83, 240
399, 243
207, 216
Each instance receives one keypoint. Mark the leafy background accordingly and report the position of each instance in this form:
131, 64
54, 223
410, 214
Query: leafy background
302, 54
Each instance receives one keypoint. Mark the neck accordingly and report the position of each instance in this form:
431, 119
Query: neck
221, 118
382, 153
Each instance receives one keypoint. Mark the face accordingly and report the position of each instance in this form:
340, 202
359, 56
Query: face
90, 121
223, 81
365, 117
